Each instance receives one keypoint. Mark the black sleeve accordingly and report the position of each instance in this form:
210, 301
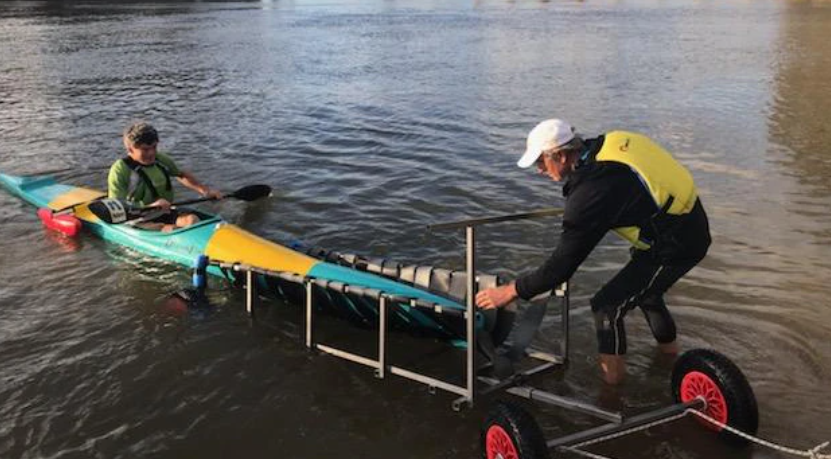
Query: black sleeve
590, 211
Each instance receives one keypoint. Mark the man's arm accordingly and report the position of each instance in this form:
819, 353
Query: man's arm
118, 181
186, 178
581, 233
591, 211
189, 180
576, 243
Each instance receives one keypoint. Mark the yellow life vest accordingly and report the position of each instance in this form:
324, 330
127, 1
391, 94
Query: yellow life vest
659, 172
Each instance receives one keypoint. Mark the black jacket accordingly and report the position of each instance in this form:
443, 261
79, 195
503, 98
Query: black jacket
601, 196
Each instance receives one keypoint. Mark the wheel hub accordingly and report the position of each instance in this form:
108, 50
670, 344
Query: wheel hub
696, 384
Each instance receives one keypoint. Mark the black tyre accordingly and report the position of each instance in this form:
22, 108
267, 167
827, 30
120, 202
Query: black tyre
730, 400
510, 432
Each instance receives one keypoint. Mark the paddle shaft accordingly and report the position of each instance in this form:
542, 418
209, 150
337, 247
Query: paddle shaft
68, 209
247, 193
173, 204
194, 201
115, 211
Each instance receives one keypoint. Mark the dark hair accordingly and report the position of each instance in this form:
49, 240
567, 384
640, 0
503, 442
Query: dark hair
141, 133
574, 145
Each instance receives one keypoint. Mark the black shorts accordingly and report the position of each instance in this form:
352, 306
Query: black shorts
169, 218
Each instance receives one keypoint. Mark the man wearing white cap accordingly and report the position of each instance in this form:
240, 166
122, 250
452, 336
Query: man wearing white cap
624, 182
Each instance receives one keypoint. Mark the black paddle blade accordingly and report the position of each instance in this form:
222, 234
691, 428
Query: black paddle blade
251, 192
112, 211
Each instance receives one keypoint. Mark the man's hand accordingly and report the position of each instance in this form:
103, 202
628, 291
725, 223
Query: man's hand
210, 193
496, 297
163, 204
187, 179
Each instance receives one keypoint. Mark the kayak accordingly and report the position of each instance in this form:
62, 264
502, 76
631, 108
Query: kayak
227, 243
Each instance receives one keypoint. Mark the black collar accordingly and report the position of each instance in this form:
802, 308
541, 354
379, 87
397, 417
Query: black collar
590, 150
584, 163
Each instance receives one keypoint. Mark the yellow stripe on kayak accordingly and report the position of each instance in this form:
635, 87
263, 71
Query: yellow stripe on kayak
232, 244
78, 196
83, 213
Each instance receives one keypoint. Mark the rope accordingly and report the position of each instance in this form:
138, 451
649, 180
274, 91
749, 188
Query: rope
813, 453
628, 431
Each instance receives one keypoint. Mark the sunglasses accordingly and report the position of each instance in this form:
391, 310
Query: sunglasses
546, 154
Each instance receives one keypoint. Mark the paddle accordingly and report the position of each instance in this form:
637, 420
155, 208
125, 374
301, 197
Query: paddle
115, 211
246, 193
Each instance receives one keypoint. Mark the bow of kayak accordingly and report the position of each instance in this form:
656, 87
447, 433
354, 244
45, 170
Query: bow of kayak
45, 192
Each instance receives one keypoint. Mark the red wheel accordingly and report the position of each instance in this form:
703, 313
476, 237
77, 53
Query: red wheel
713, 377
511, 433
499, 445
696, 384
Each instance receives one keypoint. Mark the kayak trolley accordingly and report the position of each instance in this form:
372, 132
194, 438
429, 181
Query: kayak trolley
704, 383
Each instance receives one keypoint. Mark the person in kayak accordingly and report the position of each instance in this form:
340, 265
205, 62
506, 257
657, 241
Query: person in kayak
624, 182
143, 177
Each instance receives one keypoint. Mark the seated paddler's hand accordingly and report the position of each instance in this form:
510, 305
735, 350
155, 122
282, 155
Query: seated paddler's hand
161, 204
496, 297
211, 193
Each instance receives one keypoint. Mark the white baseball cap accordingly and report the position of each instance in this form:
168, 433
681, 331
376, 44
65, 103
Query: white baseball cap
549, 134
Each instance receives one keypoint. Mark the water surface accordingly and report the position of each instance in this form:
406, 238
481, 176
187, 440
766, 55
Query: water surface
371, 120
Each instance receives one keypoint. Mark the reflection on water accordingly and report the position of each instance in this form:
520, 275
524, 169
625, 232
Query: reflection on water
64, 242
372, 120
799, 138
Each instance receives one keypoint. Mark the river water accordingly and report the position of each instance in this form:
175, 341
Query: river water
373, 119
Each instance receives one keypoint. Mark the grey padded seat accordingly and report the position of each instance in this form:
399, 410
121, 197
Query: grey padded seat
375, 265
422, 276
407, 274
390, 269
450, 283
440, 282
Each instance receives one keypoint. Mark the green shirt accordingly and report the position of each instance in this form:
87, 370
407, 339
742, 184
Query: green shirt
122, 180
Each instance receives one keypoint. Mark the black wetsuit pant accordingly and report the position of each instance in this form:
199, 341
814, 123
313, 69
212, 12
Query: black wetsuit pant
642, 283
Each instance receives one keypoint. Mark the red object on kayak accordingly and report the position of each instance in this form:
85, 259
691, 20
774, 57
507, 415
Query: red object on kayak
66, 224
